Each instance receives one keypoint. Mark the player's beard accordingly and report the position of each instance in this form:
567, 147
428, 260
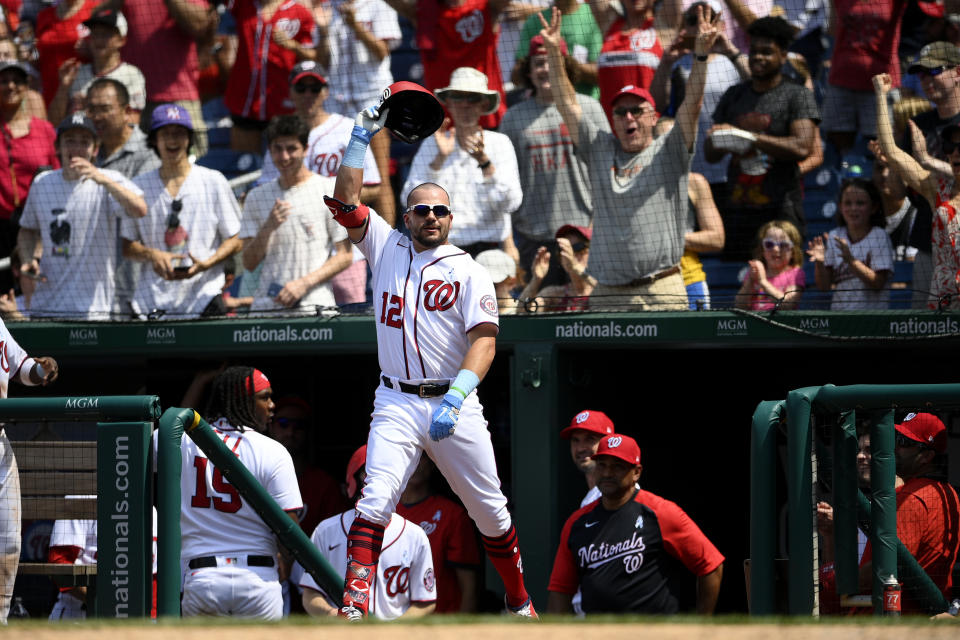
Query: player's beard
431, 242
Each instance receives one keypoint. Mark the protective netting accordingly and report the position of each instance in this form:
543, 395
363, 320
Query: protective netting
578, 153
55, 473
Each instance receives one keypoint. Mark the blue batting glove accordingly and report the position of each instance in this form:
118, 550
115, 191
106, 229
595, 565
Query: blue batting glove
445, 418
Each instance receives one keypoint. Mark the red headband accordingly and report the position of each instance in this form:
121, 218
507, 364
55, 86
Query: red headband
257, 382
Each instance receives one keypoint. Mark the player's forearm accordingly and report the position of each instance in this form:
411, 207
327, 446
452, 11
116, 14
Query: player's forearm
708, 589
564, 95
688, 114
57, 110
137, 251
255, 248
376, 47
315, 604
795, 148
28, 241
349, 185
480, 355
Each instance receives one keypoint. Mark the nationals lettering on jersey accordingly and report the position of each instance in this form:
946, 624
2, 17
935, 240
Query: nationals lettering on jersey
618, 559
404, 573
425, 303
214, 517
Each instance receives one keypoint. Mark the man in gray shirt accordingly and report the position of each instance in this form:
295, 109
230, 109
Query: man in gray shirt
639, 183
556, 184
123, 148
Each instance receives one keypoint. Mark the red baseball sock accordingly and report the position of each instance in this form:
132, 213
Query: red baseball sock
363, 551
504, 553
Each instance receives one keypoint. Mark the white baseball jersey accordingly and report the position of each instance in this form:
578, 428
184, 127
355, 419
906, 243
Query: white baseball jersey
74, 533
77, 222
356, 77
404, 573
12, 359
301, 245
214, 518
424, 303
209, 215
325, 149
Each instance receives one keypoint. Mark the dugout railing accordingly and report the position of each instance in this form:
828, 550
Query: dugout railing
123, 575
839, 407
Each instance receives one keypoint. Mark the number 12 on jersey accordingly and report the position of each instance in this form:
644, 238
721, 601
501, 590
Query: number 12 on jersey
391, 311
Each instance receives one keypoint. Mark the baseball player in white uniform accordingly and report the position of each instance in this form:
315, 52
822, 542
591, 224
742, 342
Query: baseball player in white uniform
437, 322
405, 585
15, 364
229, 554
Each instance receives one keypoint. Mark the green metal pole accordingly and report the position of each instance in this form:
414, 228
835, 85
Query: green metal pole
288, 531
168, 510
763, 507
92, 408
885, 396
883, 511
801, 512
845, 483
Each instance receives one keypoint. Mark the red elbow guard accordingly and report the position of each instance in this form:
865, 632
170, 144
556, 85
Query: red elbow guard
350, 216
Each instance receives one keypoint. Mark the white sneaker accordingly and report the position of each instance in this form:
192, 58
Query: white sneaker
525, 610
352, 614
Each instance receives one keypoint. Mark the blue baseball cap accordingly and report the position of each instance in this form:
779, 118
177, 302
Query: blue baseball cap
77, 120
170, 114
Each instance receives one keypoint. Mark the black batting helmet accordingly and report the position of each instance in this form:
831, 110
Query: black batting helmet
415, 113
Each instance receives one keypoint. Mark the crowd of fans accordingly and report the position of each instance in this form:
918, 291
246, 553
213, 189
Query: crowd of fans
812, 149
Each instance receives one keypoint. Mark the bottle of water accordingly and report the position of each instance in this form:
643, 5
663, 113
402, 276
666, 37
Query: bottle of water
17, 610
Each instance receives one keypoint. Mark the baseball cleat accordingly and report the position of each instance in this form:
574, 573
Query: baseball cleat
525, 610
352, 614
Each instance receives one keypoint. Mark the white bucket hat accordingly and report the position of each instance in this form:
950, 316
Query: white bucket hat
469, 80
499, 263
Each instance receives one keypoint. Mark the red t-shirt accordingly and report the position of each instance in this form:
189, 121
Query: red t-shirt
259, 85
464, 36
453, 544
868, 36
165, 54
928, 525
627, 57
616, 558
21, 157
56, 41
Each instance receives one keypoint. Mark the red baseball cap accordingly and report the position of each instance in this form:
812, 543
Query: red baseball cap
357, 461
538, 47
586, 232
925, 428
618, 446
589, 420
632, 90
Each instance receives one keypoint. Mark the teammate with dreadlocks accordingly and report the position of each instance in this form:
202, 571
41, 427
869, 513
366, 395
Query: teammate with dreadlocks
230, 554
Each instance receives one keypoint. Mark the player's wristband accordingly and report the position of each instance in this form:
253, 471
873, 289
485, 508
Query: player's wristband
465, 382
357, 149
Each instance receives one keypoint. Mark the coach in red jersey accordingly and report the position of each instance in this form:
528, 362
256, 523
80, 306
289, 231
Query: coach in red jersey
613, 549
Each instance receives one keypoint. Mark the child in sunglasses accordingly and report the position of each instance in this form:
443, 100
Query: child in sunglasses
856, 258
775, 277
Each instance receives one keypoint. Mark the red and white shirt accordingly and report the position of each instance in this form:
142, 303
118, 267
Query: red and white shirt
259, 84
627, 57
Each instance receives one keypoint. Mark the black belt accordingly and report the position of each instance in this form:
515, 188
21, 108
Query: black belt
211, 561
424, 390
639, 282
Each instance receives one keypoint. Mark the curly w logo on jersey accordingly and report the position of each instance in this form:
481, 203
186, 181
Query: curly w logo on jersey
439, 295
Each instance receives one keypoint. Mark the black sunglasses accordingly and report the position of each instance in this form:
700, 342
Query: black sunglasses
578, 246
173, 220
439, 210
302, 87
904, 442
636, 111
